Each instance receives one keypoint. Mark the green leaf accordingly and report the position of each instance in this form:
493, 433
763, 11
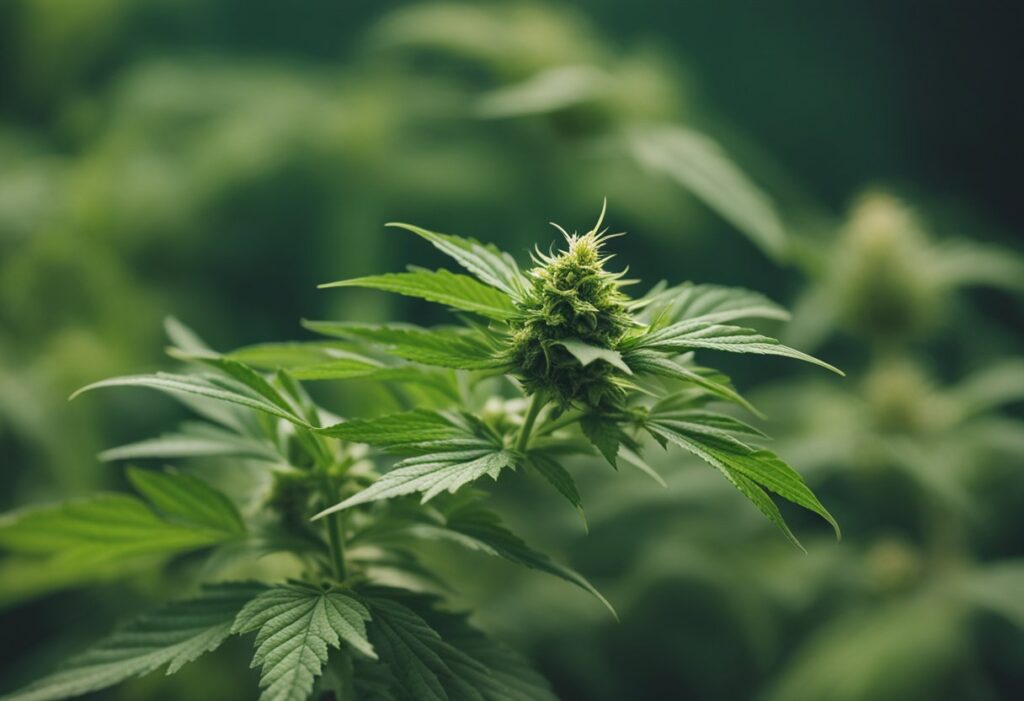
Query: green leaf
558, 476
965, 262
604, 434
634, 459
433, 474
997, 587
711, 303
511, 677
209, 386
242, 374
693, 335
749, 470
413, 651
173, 636
101, 528
481, 530
547, 91
644, 361
442, 286
700, 165
272, 356
490, 265
587, 353
408, 428
194, 440
188, 500
446, 347
296, 625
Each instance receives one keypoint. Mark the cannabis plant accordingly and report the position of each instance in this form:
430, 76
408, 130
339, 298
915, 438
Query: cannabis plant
546, 364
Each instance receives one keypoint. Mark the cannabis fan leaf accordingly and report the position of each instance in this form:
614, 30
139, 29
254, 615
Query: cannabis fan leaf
546, 371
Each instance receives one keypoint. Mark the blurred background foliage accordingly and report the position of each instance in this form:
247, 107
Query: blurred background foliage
216, 160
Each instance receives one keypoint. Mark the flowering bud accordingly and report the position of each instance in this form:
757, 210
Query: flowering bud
572, 297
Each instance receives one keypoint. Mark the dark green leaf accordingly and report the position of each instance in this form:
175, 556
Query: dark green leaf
172, 636
296, 625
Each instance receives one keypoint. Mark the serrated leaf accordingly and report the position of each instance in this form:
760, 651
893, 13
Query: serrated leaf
99, 529
694, 335
396, 430
446, 347
457, 291
558, 476
209, 386
433, 474
746, 468
296, 625
243, 374
271, 356
195, 440
490, 265
511, 677
171, 636
634, 459
188, 500
410, 649
711, 303
481, 530
700, 165
651, 362
587, 354
604, 434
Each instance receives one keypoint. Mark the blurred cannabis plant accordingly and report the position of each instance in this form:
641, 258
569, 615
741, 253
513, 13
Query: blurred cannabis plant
546, 364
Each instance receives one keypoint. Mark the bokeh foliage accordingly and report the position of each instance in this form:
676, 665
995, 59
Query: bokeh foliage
168, 157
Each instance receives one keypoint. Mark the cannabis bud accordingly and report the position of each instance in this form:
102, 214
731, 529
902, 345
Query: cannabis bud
573, 304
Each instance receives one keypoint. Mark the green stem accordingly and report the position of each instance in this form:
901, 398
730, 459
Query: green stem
334, 532
536, 404
569, 417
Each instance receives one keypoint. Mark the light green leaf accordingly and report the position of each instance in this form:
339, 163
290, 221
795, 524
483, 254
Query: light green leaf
490, 265
446, 347
172, 636
401, 429
634, 459
651, 362
545, 92
694, 335
997, 587
747, 469
711, 303
433, 474
101, 528
700, 165
272, 356
194, 440
296, 625
967, 262
188, 500
442, 286
242, 374
210, 386
999, 383
481, 530
587, 353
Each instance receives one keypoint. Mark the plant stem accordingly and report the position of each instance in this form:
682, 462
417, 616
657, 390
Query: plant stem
536, 404
565, 419
334, 532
